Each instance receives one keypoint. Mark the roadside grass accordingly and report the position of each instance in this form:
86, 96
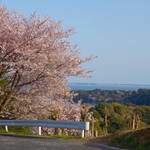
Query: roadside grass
134, 140
19, 130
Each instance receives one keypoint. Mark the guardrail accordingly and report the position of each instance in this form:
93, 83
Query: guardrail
47, 123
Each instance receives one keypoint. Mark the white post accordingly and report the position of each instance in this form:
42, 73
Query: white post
87, 126
6, 128
82, 133
40, 131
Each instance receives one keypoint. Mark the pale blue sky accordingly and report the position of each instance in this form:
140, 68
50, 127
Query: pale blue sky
117, 31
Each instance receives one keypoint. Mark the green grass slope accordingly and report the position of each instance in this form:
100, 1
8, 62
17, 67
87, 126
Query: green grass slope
134, 140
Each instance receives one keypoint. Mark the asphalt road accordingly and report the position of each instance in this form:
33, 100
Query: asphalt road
36, 143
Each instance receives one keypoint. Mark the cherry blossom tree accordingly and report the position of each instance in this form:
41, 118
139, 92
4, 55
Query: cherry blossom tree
37, 59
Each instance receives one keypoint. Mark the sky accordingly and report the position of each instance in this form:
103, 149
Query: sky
116, 31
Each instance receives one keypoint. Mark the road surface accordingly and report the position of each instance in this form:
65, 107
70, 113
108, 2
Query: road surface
8, 142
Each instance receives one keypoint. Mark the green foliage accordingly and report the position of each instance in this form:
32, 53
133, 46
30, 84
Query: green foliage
117, 115
144, 146
112, 117
104, 109
117, 122
125, 141
3, 82
131, 141
143, 112
120, 109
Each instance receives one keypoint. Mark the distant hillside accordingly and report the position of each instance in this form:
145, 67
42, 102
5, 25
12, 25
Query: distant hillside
93, 97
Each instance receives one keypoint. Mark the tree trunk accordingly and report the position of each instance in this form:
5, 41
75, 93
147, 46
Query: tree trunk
92, 127
96, 133
105, 124
133, 121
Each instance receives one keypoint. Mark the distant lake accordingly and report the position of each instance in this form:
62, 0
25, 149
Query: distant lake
86, 86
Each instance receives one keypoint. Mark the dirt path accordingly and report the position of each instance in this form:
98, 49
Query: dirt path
8, 142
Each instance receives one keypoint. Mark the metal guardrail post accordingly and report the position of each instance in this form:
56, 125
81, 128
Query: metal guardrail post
40, 131
82, 134
87, 126
6, 128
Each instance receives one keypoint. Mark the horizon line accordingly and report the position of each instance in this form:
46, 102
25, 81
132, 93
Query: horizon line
109, 83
